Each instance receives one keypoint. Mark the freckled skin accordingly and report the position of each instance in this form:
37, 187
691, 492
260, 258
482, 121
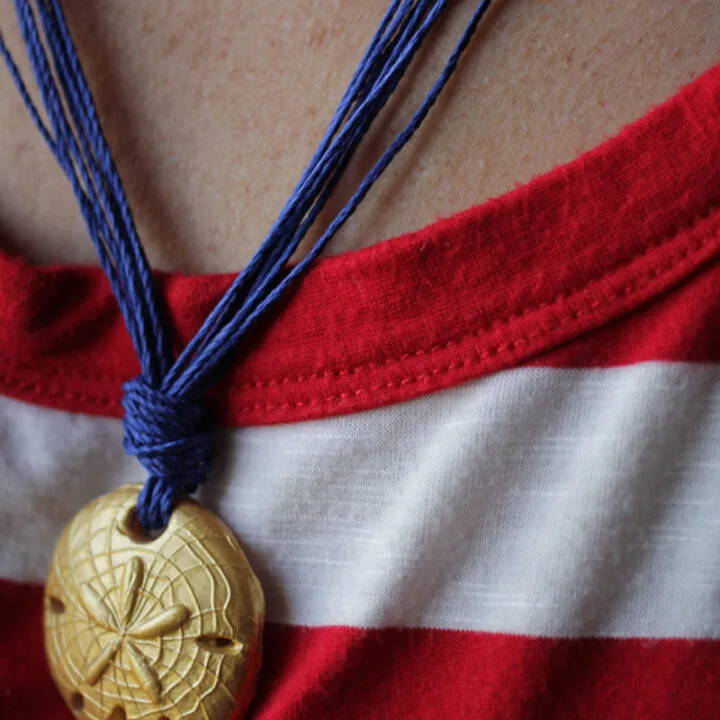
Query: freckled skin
212, 116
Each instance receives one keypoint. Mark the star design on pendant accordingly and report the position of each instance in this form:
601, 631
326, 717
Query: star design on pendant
125, 631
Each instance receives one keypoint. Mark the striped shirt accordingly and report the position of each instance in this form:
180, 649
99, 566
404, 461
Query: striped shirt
476, 467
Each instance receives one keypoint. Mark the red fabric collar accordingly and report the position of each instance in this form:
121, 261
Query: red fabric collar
487, 289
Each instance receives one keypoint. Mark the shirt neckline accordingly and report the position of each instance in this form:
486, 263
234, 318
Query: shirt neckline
483, 290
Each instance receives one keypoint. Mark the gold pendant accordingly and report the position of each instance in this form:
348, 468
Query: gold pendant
160, 629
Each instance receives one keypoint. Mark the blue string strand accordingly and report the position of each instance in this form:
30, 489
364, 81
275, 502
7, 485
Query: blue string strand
167, 425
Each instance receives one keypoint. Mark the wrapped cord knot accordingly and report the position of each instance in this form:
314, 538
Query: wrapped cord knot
171, 437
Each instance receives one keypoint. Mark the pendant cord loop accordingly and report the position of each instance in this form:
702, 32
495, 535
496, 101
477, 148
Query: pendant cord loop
163, 422
171, 438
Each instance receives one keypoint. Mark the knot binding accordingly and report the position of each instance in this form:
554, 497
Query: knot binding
171, 437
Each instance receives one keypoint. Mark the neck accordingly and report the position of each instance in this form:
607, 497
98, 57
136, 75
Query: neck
213, 116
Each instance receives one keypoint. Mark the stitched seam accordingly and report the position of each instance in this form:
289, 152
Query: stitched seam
64, 372
38, 389
653, 273
482, 356
491, 351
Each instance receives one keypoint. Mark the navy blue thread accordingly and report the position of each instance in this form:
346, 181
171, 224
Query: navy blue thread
166, 423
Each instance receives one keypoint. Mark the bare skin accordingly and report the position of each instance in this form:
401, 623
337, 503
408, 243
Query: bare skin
213, 115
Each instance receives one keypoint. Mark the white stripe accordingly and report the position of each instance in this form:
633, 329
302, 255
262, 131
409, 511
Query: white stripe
536, 501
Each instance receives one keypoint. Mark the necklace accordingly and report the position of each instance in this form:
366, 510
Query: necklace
152, 609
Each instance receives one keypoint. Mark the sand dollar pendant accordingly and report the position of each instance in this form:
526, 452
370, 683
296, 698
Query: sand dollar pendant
163, 629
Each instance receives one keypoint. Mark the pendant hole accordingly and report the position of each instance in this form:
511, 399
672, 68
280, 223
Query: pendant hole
57, 606
77, 703
130, 526
118, 713
219, 644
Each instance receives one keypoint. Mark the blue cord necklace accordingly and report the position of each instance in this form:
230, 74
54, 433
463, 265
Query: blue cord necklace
112, 585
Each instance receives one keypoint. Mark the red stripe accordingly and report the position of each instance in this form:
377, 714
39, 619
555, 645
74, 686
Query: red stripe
421, 674
498, 285
681, 326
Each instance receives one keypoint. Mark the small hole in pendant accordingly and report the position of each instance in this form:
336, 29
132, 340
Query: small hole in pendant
76, 702
219, 644
130, 526
118, 713
56, 605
